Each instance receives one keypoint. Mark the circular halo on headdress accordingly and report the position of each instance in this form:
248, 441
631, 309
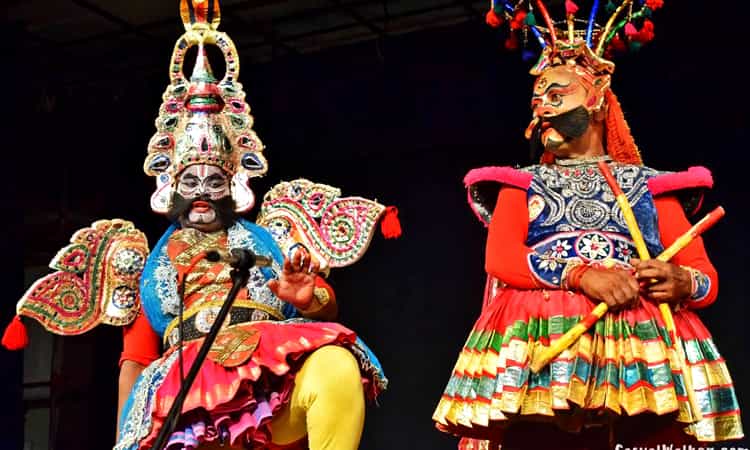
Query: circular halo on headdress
203, 120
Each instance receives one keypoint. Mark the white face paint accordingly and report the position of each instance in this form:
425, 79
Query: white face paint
199, 180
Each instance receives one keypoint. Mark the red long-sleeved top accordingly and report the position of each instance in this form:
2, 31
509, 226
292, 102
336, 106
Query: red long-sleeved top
506, 252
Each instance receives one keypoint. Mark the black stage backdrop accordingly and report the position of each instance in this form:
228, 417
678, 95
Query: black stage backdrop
401, 120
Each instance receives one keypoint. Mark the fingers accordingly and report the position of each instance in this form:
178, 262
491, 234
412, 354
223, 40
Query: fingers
621, 290
653, 268
288, 266
634, 289
297, 261
273, 285
648, 273
661, 292
661, 296
301, 261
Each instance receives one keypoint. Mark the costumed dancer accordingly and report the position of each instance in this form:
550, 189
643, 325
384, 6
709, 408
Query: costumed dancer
559, 243
281, 373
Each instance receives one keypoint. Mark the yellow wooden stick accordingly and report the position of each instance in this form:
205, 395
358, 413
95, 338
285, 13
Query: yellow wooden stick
666, 312
543, 358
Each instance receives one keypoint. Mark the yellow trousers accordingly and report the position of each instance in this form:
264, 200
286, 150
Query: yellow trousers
327, 404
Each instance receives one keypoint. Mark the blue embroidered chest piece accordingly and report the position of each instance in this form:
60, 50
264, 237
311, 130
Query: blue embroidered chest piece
573, 212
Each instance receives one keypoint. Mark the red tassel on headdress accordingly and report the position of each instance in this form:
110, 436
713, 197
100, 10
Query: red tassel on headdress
518, 20
631, 30
493, 19
654, 4
620, 143
570, 7
390, 226
647, 32
15, 336
617, 44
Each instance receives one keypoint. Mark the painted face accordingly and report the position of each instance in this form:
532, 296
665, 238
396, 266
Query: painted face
202, 180
566, 93
557, 91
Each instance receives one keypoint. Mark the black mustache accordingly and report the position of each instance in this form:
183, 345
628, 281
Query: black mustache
571, 124
224, 208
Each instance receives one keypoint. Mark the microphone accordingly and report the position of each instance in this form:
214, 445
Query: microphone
239, 258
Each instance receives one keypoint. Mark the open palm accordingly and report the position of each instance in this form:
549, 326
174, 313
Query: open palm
297, 282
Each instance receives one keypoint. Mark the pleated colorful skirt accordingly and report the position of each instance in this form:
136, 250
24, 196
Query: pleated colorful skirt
624, 365
246, 379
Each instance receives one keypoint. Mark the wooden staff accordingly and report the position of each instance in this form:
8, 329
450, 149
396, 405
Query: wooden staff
543, 358
664, 309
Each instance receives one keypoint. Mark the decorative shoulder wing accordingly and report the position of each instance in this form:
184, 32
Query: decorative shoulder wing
483, 185
335, 230
688, 185
96, 280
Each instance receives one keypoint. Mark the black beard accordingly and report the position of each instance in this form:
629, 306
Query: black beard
535, 145
571, 125
223, 207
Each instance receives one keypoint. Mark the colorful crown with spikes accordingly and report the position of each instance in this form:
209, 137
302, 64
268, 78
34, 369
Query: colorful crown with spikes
582, 41
203, 120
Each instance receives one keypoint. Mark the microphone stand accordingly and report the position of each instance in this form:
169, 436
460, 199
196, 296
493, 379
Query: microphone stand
240, 275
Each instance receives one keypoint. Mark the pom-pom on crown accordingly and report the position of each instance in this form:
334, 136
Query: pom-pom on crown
606, 28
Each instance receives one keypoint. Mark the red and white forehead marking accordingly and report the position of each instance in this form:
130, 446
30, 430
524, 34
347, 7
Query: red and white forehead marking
203, 171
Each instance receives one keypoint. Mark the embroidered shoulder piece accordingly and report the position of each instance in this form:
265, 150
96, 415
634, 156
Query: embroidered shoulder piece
335, 230
483, 185
96, 280
688, 185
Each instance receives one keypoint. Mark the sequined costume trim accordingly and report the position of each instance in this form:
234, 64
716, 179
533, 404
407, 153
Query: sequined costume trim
196, 309
135, 421
700, 284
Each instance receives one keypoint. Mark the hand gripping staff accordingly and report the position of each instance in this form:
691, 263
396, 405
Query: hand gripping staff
545, 356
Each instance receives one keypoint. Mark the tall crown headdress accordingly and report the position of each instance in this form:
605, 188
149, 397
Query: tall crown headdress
203, 120
584, 45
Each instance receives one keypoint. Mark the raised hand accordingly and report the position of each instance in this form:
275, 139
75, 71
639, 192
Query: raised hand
297, 282
662, 281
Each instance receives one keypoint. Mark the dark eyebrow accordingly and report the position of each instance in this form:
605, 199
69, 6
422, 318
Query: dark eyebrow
216, 176
190, 176
557, 85
554, 86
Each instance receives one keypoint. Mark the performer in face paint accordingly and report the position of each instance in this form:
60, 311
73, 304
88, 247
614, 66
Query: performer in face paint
558, 245
281, 373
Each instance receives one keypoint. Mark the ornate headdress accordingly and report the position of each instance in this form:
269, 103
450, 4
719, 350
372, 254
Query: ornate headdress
583, 44
203, 120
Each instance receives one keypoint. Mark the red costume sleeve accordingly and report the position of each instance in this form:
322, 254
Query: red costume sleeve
320, 282
141, 344
506, 255
672, 224
323, 306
